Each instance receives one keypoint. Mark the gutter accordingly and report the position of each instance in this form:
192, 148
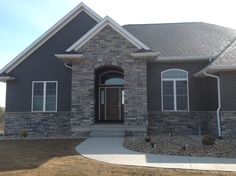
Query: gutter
6, 78
219, 102
70, 58
184, 59
145, 55
66, 65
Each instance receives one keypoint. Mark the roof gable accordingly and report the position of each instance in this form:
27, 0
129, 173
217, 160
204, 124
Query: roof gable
48, 34
107, 21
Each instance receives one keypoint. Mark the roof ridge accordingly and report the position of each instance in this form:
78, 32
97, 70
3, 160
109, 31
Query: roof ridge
175, 23
217, 56
210, 66
164, 23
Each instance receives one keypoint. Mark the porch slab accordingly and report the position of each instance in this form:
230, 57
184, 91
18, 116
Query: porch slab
110, 150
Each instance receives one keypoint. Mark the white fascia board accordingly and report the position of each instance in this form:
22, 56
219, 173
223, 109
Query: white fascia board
107, 21
48, 34
214, 69
145, 55
70, 58
182, 59
223, 67
6, 78
63, 56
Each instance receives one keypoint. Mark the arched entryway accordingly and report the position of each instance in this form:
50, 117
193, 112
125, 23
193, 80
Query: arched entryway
109, 94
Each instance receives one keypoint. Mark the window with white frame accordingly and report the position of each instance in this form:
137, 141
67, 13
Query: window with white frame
44, 96
174, 90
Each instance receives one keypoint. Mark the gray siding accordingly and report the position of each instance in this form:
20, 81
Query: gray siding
228, 91
202, 91
43, 65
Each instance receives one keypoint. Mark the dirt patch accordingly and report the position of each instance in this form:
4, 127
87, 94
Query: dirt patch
58, 158
182, 145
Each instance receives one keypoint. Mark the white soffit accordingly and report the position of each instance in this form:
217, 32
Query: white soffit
107, 21
48, 34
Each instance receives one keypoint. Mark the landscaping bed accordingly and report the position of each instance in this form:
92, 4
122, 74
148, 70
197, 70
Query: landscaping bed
182, 145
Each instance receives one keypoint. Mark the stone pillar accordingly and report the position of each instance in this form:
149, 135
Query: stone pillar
82, 100
135, 75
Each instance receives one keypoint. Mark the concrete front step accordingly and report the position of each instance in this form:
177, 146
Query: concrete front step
107, 134
107, 131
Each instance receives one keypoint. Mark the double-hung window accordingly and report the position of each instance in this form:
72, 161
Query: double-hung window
44, 96
174, 90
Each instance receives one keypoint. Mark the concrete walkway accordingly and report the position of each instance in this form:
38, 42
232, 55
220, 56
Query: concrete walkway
110, 150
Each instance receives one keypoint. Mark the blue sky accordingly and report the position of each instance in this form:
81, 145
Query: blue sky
23, 21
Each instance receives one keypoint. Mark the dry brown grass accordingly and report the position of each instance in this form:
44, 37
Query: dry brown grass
58, 157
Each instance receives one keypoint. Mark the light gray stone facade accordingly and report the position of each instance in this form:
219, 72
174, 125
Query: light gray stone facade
228, 123
182, 123
37, 124
109, 48
188, 123
177, 123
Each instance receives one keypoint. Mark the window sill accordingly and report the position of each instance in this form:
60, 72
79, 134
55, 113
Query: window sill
43, 111
175, 110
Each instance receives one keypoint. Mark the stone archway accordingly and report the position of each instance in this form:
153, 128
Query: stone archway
109, 94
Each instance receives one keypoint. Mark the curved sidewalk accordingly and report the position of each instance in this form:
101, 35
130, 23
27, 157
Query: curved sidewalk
110, 150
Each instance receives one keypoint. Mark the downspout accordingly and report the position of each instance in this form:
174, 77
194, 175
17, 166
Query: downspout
68, 66
219, 102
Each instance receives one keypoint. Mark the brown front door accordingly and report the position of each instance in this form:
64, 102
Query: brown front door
111, 104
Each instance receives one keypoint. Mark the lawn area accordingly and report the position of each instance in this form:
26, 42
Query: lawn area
58, 157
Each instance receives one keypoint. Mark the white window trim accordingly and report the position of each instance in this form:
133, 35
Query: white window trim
44, 95
174, 84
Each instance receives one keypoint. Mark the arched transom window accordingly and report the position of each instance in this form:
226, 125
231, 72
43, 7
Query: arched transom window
174, 90
112, 78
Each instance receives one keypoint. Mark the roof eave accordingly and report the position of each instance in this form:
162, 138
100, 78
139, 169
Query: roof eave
70, 58
145, 55
185, 58
215, 69
6, 78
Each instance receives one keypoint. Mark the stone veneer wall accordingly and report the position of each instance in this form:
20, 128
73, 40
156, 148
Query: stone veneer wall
228, 123
109, 48
37, 124
181, 123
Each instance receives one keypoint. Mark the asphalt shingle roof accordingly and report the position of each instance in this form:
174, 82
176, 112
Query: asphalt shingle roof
227, 58
196, 39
